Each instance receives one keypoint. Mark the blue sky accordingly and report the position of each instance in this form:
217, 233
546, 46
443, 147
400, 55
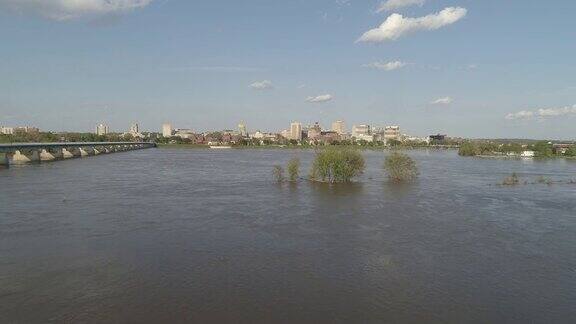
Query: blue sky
487, 68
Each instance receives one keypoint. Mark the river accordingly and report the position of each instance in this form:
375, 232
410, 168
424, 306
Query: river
168, 235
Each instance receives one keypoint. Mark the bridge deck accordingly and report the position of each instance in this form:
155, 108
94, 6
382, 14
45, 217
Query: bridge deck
10, 147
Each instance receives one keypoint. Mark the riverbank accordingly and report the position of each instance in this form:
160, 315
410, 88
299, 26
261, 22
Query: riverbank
307, 147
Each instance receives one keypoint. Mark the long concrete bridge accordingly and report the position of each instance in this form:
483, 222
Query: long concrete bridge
21, 153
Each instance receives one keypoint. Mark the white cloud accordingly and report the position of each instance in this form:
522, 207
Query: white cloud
524, 114
396, 25
318, 99
396, 4
443, 101
543, 113
262, 85
386, 66
71, 9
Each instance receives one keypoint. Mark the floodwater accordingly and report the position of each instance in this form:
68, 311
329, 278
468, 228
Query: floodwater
167, 236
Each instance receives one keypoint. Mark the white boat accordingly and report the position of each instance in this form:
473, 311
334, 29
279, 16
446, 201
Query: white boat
220, 147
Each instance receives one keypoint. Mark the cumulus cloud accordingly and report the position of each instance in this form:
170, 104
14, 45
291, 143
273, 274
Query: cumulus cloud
396, 4
72, 9
443, 101
543, 113
318, 99
386, 66
396, 25
262, 85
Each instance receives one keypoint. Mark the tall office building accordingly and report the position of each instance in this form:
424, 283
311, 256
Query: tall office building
296, 131
242, 129
392, 133
339, 127
360, 130
167, 130
102, 129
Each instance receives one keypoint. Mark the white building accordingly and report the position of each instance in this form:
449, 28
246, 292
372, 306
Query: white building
6, 130
339, 127
134, 129
185, 133
167, 130
365, 137
392, 133
242, 129
296, 131
361, 130
102, 129
527, 154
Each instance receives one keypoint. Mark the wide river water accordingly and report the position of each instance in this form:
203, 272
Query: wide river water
168, 235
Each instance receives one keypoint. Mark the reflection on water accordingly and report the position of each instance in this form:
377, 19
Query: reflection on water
208, 236
336, 190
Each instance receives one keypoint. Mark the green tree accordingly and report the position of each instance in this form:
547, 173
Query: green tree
400, 167
543, 149
278, 173
337, 164
467, 149
293, 169
571, 151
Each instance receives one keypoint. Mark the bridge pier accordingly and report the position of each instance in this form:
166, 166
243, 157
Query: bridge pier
83, 152
4, 159
66, 154
47, 155
21, 153
21, 157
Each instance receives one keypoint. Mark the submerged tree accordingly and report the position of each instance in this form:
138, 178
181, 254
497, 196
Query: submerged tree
511, 180
400, 167
337, 164
278, 173
293, 169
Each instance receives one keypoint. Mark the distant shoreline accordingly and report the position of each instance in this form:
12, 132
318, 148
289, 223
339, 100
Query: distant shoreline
303, 147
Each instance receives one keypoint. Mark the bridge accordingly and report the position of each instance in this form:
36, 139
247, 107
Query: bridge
22, 153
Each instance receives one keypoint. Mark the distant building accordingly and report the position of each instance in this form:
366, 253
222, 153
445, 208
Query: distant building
561, 148
286, 134
437, 138
6, 130
25, 129
330, 137
102, 129
134, 129
296, 131
184, 133
242, 129
392, 133
527, 154
365, 137
339, 127
314, 132
358, 130
167, 130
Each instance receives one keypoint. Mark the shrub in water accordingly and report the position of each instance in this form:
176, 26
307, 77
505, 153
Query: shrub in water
293, 169
337, 164
278, 173
511, 180
400, 167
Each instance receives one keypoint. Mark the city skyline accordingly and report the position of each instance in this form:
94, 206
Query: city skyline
493, 72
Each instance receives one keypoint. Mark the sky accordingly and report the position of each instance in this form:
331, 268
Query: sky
469, 68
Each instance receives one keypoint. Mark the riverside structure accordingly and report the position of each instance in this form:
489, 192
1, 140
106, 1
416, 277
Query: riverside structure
22, 153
